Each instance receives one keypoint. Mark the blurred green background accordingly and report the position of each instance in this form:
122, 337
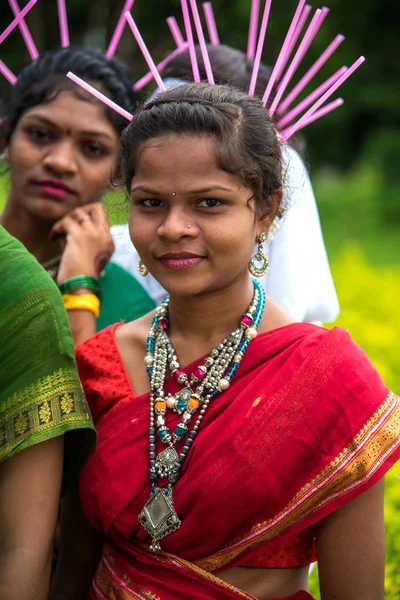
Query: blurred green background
352, 155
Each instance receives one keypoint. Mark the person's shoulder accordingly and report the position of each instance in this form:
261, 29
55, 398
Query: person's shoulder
135, 332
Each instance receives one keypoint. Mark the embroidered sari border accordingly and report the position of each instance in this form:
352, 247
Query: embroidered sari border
353, 467
51, 406
180, 562
110, 583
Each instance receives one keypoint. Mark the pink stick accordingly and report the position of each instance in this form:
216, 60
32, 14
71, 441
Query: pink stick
303, 18
145, 52
253, 28
202, 42
309, 36
319, 113
282, 57
118, 30
299, 87
88, 88
26, 34
17, 20
9, 75
161, 65
189, 37
63, 21
211, 25
311, 98
323, 98
260, 45
175, 31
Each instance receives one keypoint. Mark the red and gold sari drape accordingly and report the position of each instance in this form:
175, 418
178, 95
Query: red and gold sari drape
306, 426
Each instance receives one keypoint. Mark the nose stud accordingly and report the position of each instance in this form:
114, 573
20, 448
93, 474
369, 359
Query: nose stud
174, 193
189, 226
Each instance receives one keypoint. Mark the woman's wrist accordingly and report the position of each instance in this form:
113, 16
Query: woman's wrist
89, 302
80, 282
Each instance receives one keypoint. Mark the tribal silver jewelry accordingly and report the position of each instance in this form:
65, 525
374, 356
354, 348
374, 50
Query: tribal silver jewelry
207, 381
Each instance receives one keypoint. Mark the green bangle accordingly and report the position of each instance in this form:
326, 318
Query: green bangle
78, 282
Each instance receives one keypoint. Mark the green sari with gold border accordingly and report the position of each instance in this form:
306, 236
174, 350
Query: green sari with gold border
41, 396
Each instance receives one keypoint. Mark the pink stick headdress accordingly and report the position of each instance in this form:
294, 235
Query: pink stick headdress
298, 125
175, 31
211, 25
18, 19
7, 73
160, 66
260, 46
310, 34
145, 52
202, 42
63, 22
283, 57
26, 34
303, 18
119, 29
253, 28
91, 90
189, 37
316, 99
318, 114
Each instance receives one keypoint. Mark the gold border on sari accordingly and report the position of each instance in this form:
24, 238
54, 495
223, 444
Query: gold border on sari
353, 467
55, 403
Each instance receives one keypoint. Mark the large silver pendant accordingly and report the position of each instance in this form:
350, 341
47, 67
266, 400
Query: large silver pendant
158, 516
165, 461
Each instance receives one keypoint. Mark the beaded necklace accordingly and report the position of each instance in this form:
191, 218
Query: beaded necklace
207, 381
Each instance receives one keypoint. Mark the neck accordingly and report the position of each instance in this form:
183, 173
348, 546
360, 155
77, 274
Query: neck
32, 231
202, 322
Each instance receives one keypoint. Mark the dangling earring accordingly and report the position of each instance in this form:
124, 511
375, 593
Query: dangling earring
142, 269
259, 257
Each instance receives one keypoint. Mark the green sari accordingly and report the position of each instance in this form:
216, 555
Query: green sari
41, 396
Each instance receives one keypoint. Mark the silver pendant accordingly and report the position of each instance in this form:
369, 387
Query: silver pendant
158, 516
167, 459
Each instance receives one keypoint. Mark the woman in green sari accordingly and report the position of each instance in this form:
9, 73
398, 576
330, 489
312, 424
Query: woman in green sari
44, 420
60, 145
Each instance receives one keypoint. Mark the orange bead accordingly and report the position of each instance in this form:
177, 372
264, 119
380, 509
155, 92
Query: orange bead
193, 403
160, 406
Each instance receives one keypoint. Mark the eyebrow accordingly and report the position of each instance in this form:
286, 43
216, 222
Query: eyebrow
211, 188
55, 126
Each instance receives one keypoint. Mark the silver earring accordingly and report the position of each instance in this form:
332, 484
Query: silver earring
143, 271
259, 257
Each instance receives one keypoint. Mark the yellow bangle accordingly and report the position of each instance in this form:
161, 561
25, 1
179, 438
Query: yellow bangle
82, 302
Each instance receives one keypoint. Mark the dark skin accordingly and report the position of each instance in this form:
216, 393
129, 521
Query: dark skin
71, 143
206, 301
30, 485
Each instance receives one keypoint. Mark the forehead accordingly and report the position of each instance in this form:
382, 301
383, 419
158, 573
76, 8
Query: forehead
180, 160
68, 111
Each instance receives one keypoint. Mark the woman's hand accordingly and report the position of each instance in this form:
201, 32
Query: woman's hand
88, 242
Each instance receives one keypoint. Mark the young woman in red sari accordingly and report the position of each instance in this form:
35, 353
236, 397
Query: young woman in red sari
235, 445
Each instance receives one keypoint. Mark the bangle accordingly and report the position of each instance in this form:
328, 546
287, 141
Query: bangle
78, 282
84, 302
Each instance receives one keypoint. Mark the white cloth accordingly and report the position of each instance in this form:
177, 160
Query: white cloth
300, 279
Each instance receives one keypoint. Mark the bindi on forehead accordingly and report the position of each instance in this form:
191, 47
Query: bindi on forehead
68, 131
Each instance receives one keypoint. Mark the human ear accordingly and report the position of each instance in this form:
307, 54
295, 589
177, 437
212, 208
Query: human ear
265, 220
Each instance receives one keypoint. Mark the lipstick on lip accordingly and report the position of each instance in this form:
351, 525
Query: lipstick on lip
182, 260
54, 188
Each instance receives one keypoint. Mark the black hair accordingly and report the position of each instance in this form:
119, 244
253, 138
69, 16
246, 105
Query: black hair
231, 67
42, 79
246, 142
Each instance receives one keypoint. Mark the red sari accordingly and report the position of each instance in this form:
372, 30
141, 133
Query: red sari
306, 426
